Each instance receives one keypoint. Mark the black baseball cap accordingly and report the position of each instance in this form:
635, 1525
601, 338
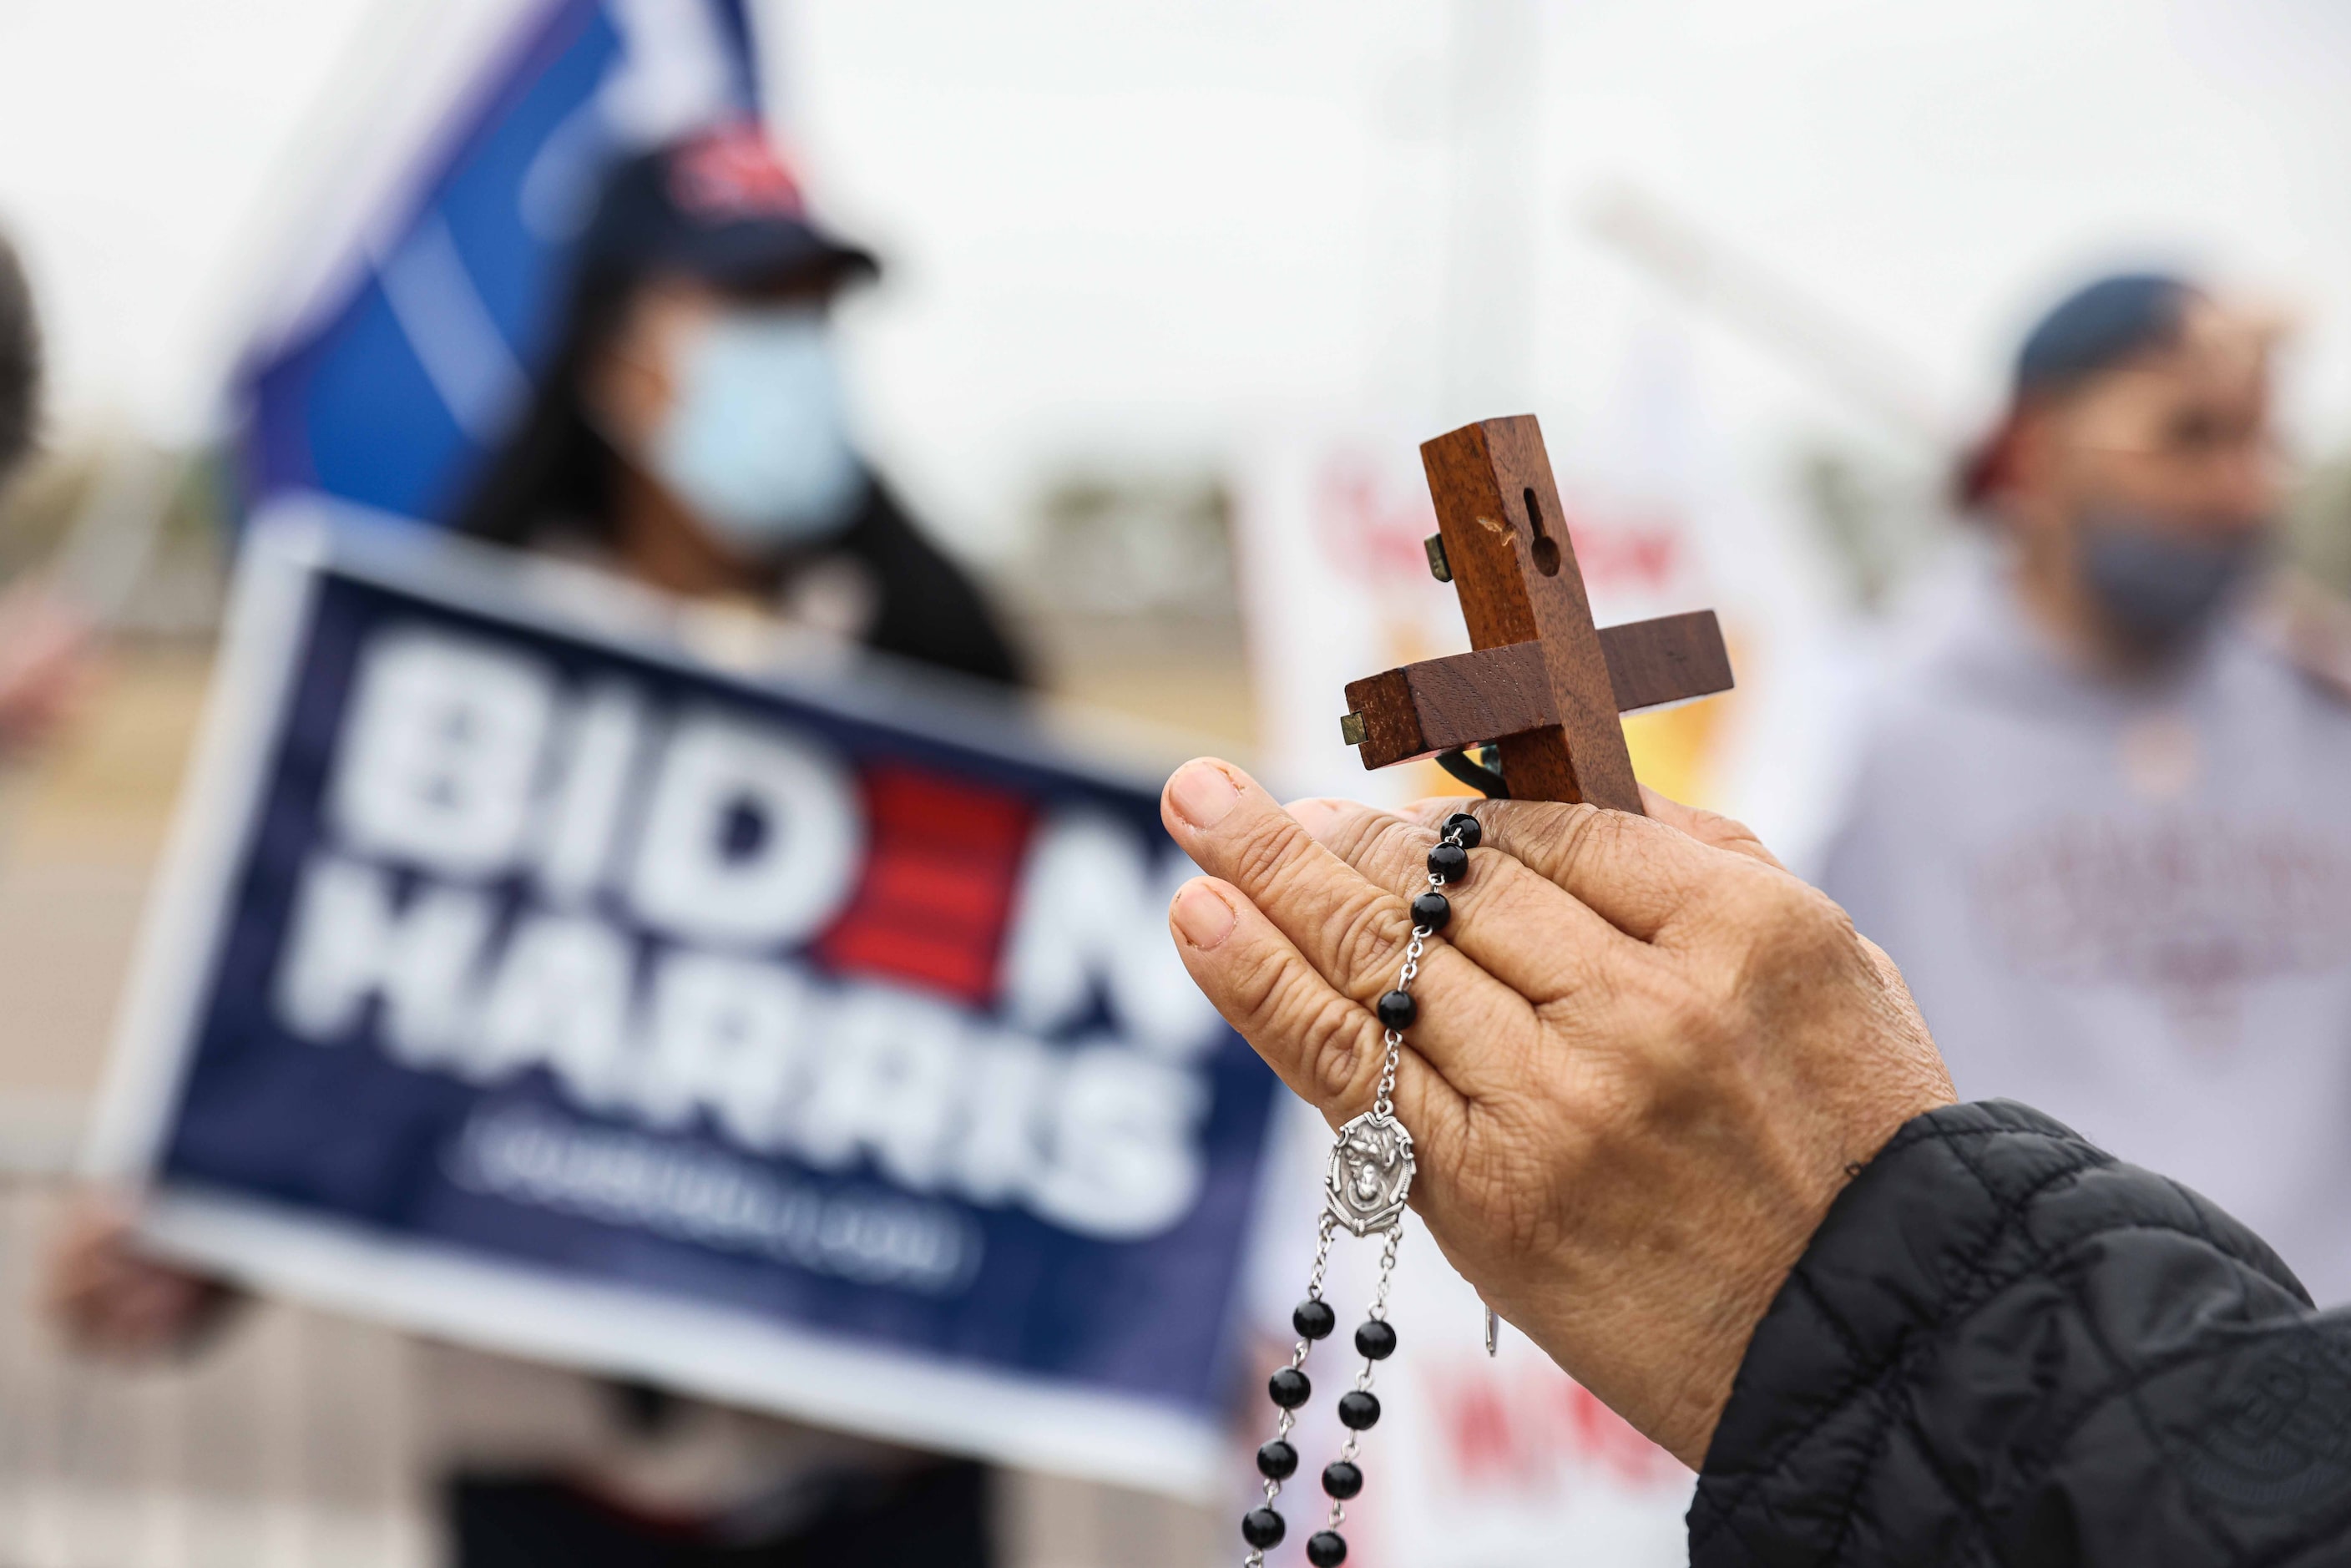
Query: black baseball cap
720, 205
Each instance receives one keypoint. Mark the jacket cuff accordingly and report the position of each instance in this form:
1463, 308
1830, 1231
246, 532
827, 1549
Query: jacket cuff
1910, 1238
1979, 1288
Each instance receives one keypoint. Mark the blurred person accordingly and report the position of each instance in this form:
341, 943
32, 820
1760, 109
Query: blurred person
688, 433
2099, 824
691, 431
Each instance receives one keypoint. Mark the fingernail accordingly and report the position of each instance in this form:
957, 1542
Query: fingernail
1202, 792
1202, 915
1313, 815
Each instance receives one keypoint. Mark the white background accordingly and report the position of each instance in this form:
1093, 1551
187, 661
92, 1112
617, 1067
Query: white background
1145, 235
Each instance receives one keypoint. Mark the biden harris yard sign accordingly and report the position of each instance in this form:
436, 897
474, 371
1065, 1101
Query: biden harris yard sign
817, 1049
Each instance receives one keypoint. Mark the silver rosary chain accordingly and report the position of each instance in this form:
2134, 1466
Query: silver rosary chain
1383, 1108
1383, 1101
1379, 1312
1285, 1422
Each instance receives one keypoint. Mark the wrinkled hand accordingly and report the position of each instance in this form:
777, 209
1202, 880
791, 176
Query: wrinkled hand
1645, 1060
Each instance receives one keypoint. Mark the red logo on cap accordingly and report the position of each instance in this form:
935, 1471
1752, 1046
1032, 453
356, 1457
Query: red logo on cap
733, 174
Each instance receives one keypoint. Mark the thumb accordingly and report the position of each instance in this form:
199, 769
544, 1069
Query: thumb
1708, 827
1636, 872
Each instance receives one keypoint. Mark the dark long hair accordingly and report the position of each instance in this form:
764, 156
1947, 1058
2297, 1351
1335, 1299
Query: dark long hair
555, 474
20, 362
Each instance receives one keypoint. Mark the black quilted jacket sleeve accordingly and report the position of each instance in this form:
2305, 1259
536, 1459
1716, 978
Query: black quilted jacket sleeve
2004, 1346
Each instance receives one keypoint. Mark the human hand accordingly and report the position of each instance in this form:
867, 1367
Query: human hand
1646, 1056
111, 1300
44, 662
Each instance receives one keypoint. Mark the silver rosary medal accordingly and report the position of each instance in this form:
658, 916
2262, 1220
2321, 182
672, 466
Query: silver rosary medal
1365, 1191
1371, 1174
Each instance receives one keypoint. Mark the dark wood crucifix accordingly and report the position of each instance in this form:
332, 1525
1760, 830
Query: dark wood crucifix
1541, 680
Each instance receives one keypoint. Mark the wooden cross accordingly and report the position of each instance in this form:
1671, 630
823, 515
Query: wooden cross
1541, 680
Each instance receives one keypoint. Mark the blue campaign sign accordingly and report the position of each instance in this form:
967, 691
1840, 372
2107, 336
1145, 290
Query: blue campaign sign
392, 383
819, 1049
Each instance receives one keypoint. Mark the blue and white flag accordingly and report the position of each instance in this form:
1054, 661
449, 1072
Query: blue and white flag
814, 1048
395, 371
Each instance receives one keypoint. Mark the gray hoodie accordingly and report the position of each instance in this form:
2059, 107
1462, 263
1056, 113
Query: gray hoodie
2128, 905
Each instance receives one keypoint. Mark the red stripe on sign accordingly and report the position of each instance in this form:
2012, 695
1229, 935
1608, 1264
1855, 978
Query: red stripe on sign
943, 888
942, 863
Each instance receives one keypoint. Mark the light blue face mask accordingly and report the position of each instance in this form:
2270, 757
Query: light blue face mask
757, 440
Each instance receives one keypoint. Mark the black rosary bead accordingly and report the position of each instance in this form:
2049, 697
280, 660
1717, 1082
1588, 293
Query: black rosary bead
1396, 1010
1465, 826
1277, 1460
1289, 1389
1261, 1528
1358, 1411
1448, 862
1375, 1341
1341, 1479
1313, 1318
1326, 1548
1432, 909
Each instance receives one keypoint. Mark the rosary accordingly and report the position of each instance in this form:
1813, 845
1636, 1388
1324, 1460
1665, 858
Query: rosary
1370, 1176
1538, 694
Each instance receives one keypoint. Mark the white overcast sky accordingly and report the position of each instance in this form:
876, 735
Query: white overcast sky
1155, 234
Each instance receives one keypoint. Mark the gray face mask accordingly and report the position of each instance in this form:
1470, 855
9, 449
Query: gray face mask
2157, 588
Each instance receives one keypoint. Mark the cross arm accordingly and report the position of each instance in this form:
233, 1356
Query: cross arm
1466, 699
1668, 660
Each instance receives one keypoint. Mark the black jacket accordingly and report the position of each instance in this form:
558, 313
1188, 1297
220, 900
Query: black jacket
2004, 1346
930, 608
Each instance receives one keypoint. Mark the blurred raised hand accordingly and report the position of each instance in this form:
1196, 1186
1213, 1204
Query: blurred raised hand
111, 1300
46, 656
